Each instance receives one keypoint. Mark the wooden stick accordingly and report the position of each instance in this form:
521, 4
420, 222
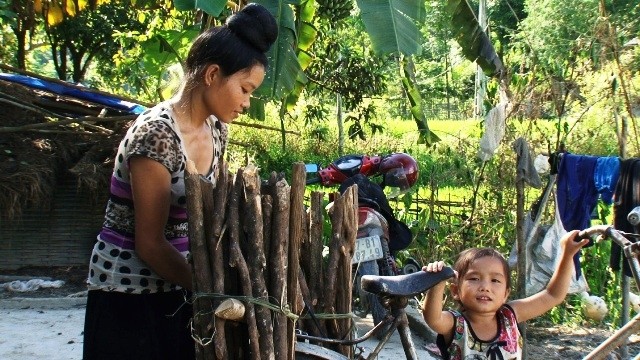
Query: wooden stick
237, 261
200, 261
349, 208
208, 210
267, 213
258, 126
254, 247
66, 121
316, 277
296, 233
316, 224
216, 252
278, 261
330, 280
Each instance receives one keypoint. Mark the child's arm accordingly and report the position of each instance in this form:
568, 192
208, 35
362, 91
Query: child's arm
438, 320
555, 292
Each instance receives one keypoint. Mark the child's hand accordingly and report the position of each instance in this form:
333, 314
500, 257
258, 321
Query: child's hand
569, 243
434, 266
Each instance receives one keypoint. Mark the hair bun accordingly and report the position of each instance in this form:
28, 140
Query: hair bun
255, 25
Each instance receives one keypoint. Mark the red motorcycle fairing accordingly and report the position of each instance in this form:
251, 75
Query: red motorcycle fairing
347, 166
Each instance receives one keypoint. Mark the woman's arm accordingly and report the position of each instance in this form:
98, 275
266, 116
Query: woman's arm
555, 292
151, 190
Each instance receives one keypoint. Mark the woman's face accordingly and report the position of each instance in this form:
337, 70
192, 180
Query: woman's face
228, 97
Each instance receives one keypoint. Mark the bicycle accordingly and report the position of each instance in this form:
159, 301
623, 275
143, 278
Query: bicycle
632, 254
394, 293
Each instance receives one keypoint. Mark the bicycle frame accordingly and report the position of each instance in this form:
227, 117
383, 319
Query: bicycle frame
632, 253
394, 292
396, 319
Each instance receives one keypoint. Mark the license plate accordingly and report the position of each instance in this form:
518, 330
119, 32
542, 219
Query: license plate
367, 249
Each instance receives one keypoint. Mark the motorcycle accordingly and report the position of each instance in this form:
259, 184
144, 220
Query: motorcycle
380, 235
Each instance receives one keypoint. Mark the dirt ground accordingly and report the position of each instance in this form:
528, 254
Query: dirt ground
543, 342
572, 342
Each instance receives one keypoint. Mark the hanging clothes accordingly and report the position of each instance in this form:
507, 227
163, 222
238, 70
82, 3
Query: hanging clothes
576, 190
582, 180
626, 196
605, 177
576, 194
525, 169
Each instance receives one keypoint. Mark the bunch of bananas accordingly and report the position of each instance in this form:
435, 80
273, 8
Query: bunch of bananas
334, 10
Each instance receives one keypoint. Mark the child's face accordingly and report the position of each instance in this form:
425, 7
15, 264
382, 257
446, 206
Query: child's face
483, 289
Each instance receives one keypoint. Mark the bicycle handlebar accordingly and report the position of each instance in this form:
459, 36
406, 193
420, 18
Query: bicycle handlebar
594, 230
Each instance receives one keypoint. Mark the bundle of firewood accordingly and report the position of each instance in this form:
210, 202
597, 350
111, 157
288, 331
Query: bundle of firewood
258, 268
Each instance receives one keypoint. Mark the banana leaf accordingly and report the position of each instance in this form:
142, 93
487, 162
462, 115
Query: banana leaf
392, 25
307, 33
212, 7
476, 45
415, 99
284, 67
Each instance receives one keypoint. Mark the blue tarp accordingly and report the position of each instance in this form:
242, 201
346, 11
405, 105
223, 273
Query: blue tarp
74, 91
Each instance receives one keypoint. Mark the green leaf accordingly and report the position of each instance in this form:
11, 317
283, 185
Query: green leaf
307, 33
415, 99
211, 7
476, 45
167, 47
185, 5
256, 109
392, 24
284, 67
306, 30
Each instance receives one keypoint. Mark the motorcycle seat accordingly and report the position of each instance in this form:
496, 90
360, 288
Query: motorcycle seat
404, 285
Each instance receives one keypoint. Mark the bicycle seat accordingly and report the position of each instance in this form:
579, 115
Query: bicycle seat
404, 285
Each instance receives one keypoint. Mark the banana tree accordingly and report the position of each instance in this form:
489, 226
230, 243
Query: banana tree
475, 43
476, 46
392, 26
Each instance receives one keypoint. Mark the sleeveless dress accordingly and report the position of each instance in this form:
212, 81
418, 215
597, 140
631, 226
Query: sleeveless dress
465, 345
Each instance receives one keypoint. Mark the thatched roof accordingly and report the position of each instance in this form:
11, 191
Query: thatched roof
44, 134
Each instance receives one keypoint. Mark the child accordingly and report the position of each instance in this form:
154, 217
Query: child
485, 327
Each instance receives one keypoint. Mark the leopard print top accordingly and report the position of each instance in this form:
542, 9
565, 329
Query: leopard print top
114, 265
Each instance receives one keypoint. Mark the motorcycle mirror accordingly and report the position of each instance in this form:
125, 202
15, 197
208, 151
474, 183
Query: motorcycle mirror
311, 168
312, 173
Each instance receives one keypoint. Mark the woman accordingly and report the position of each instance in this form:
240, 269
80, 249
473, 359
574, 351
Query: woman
139, 277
